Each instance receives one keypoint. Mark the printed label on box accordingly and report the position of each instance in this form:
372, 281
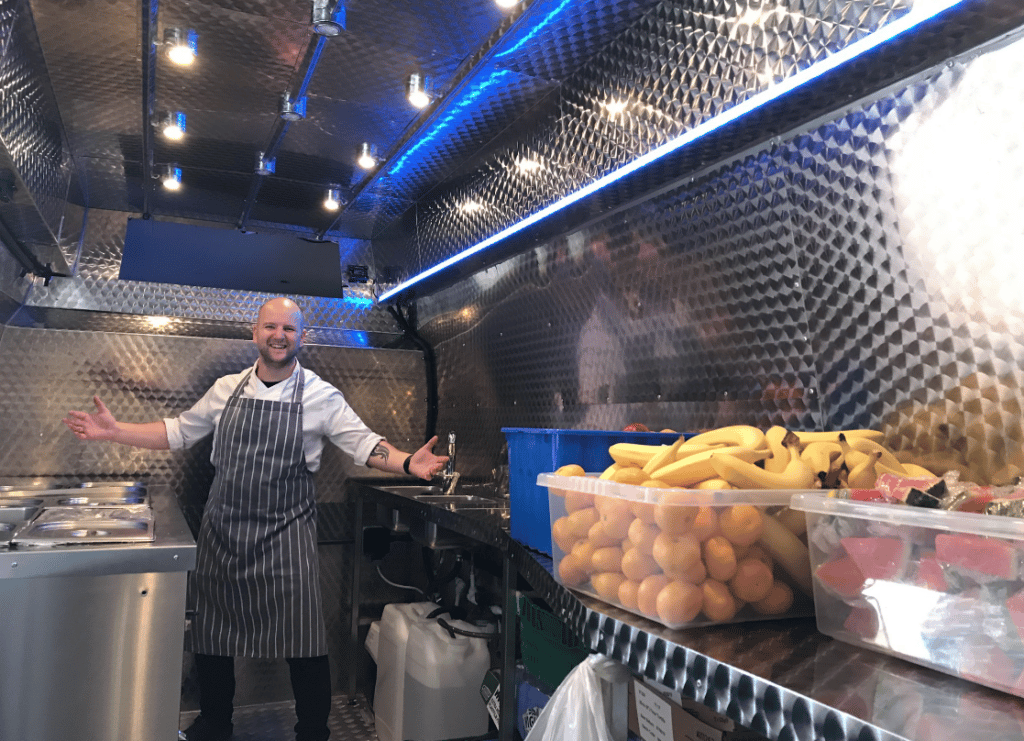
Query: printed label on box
654, 715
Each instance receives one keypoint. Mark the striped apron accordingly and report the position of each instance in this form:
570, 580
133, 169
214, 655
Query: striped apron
256, 586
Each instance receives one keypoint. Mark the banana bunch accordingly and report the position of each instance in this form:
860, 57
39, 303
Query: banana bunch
744, 457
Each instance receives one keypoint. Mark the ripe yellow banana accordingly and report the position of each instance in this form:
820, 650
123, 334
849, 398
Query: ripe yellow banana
744, 475
862, 476
688, 448
776, 463
743, 436
666, 455
884, 454
714, 484
851, 456
821, 456
697, 467
633, 454
610, 471
833, 437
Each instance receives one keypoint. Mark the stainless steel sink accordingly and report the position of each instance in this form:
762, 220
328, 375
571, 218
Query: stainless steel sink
413, 490
81, 525
459, 501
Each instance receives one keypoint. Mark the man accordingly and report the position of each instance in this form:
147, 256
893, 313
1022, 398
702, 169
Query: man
255, 589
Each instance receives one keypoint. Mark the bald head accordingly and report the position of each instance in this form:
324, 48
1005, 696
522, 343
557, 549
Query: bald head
281, 308
278, 336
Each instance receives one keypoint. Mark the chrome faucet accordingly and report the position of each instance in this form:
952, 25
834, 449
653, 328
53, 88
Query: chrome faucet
450, 475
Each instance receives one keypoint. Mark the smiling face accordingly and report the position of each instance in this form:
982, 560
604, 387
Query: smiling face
278, 335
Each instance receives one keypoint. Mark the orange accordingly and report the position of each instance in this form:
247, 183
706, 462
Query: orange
583, 550
679, 603
570, 469
581, 521
561, 534
571, 572
705, 524
607, 559
742, 524
676, 556
644, 511
719, 604
600, 536
761, 553
642, 535
779, 599
616, 516
752, 581
673, 515
647, 594
627, 595
720, 558
575, 500
637, 565
606, 584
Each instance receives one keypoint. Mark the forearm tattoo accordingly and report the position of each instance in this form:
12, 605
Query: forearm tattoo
379, 451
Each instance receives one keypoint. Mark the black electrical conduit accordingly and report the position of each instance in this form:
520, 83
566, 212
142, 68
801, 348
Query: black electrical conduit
150, 9
430, 363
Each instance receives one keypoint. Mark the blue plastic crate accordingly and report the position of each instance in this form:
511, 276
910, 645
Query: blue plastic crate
535, 451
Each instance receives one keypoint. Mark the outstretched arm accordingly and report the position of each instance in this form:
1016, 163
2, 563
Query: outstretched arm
101, 425
422, 463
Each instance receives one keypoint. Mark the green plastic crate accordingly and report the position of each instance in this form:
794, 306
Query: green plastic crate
548, 647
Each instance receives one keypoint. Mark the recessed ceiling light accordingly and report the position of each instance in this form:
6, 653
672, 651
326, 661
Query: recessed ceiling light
181, 46
614, 107
527, 164
416, 90
333, 200
506, 3
265, 166
470, 206
327, 22
367, 157
173, 126
171, 177
292, 110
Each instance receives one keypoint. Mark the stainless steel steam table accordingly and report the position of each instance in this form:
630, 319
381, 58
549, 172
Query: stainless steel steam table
781, 678
91, 636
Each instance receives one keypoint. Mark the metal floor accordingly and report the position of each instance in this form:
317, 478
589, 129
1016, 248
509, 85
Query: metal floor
275, 721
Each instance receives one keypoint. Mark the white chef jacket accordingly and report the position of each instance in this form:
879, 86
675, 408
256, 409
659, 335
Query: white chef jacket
325, 415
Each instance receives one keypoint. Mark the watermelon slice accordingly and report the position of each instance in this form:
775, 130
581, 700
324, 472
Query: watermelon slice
842, 577
1015, 606
878, 558
978, 553
862, 621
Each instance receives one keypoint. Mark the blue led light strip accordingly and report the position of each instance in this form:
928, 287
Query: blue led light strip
922, 11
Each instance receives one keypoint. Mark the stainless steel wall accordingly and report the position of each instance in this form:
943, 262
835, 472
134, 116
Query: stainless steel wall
862, 273
151, 350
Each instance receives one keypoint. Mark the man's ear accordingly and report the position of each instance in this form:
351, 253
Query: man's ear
254, 333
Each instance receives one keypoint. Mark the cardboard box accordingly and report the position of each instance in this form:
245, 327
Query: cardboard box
663, 715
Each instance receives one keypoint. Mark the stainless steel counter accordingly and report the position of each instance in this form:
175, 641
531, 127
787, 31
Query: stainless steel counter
782, 678
172, 549
93, 636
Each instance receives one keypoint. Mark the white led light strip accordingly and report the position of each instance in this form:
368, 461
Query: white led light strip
922, 11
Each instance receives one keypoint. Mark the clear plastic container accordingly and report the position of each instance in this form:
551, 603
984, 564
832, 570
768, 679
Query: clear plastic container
681, 557
941, 589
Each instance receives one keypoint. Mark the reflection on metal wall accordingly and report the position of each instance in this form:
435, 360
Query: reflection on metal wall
142, 377
850, 276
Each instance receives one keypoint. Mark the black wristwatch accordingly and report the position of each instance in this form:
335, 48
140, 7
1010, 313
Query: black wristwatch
405, 465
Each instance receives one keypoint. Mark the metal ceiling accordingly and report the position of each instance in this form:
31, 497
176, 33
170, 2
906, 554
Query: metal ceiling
111, 84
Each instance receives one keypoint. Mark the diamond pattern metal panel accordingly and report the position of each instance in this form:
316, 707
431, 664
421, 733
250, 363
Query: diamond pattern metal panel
835, 280
679, 65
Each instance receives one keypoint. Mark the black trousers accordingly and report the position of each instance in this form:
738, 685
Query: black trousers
311, 686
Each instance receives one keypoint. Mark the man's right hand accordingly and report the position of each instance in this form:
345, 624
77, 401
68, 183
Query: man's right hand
100, 425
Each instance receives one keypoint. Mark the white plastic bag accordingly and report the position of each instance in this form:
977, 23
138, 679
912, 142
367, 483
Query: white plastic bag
576, 711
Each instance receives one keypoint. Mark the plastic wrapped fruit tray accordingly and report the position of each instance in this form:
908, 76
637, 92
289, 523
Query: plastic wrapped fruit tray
681, 557
942, 589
